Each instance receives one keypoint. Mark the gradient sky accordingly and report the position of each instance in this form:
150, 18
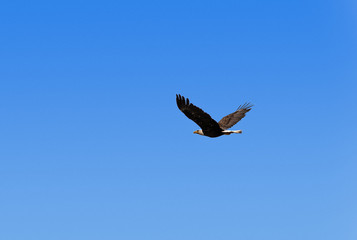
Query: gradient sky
94, 147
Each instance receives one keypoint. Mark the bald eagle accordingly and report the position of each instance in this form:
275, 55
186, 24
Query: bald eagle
210, 127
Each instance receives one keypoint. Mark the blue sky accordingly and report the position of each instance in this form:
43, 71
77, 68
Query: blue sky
94, 147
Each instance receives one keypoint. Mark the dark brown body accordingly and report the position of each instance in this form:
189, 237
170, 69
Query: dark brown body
212, 133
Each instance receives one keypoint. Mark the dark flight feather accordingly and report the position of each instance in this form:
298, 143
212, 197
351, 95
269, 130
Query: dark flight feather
231, 119
197, 115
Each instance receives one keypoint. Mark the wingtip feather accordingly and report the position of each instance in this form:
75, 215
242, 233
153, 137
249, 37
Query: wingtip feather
246, 106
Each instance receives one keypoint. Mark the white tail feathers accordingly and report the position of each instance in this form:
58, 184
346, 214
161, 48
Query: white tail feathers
228, 132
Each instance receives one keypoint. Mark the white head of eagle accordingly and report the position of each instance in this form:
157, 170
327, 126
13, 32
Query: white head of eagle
209, 127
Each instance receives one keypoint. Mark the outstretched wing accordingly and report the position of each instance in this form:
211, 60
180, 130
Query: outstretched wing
231, 119
196, 114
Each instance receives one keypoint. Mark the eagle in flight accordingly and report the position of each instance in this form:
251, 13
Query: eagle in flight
209, 127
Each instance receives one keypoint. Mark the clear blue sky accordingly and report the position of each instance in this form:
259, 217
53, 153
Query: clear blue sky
94, 147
